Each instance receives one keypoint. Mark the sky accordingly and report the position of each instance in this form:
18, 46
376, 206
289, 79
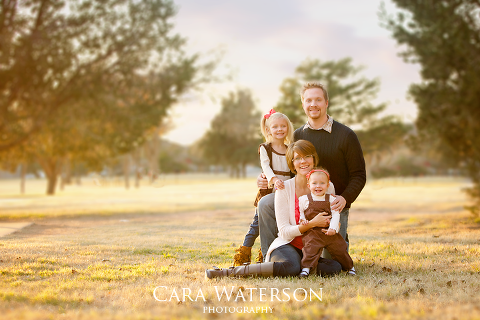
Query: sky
263, 41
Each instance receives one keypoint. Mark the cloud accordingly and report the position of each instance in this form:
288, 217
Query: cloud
266, 40
247, 20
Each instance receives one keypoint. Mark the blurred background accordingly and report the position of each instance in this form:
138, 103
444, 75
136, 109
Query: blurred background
134, 90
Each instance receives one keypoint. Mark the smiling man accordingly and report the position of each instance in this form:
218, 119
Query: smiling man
339, 152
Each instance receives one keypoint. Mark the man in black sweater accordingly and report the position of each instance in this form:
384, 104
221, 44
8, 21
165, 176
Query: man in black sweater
339, 152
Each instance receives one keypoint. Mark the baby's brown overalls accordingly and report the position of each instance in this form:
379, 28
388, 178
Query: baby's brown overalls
314, 240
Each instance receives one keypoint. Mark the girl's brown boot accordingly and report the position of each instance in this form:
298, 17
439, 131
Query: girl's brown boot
242, 255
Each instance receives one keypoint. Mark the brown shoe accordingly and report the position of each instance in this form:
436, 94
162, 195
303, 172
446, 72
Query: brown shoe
259, 257
242, 255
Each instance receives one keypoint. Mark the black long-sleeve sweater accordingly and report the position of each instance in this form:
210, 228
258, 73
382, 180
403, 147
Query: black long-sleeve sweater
341, 154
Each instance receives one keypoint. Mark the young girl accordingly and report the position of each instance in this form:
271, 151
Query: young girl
315, 239
278, 131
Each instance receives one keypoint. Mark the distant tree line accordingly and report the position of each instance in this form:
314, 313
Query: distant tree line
87, 85
234, 135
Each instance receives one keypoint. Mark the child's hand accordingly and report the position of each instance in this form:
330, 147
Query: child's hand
303, 222
279, 184
262, 182
329, 232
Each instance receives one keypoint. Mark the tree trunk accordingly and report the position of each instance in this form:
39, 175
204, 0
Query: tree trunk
67, 171
136, 164
126, 170
23, 172
51, 169
63, 175
51, 184
153, 147
237, 171
368, 166
78, 182
137, 177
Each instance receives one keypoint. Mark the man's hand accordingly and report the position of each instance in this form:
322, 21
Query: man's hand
262, 182
339, 203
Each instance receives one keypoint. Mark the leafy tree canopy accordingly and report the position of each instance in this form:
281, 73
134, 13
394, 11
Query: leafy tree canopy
234, 137
443, 37
351, 98
350, 94
55, 53
91, 79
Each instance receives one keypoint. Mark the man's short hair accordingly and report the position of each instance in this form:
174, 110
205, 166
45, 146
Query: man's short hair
311, 85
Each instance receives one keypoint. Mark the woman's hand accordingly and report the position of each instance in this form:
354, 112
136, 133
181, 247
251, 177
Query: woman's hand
321, 220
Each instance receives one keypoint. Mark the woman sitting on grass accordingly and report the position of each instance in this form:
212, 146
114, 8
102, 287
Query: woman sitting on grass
285, 253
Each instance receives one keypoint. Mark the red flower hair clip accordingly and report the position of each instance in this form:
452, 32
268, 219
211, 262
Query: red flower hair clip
267, 115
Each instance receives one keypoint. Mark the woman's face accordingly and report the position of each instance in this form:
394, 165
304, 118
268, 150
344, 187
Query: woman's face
302, 164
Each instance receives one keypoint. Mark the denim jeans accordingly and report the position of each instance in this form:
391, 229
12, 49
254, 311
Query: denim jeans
252, 233
266, 221
287, 260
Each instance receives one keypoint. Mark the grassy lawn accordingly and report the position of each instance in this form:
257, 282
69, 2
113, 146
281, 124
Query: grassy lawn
98, 251
173, 193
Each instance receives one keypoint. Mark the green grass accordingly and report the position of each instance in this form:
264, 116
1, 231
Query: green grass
168, 195
420, 263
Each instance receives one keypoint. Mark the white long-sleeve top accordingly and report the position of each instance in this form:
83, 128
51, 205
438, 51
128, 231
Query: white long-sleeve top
285, 215
279, 163
303, 205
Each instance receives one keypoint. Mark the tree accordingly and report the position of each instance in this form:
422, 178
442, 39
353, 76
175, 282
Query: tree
443, 37
54, 52
103, 76
11, 159
234, 137
350, 102
92, 131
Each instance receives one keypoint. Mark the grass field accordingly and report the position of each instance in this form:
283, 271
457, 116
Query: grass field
98, 251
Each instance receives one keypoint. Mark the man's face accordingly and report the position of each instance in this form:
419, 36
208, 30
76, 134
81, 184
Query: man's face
314, 104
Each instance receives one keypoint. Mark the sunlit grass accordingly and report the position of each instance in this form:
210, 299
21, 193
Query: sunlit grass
420, 263
177, 193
